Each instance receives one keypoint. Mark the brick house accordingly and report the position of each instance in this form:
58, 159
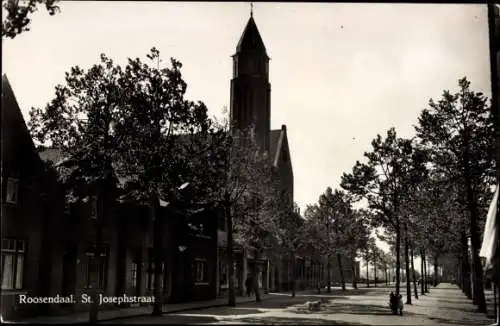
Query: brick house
128, 264
46, 240
30, 214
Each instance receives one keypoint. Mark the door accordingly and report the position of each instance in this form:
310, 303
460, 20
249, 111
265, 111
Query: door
69, 269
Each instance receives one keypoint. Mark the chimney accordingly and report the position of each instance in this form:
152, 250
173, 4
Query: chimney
283, 127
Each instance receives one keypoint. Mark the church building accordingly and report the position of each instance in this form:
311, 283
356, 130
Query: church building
251, 101
250, 107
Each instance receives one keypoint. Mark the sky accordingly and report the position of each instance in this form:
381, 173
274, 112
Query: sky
340, 73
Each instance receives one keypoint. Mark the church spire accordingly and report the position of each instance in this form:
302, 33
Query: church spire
250, 40
250, 88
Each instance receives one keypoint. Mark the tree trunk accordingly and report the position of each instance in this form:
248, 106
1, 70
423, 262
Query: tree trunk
95, 261
121, 257
230, 263
375, 271
436, 271
459, 273
426, 288
386, 277
474, 292
294, 275
398, 255
422, 273
367, 274
329, 275
466, 278
318, 272
341, 271
478, 280
407, 267
158, 254
414, 276
256, 276
94, 307
354, 276
474, 229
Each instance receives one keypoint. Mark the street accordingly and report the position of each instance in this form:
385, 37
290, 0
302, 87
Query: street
445, 305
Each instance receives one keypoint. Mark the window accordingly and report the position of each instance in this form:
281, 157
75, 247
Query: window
223, 280
221, 222
12, 263
102, 267
200, 271
132, 275
93, 208
151, 272
12, 190
151, 277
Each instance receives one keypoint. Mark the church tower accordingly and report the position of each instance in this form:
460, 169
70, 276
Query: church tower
250, 87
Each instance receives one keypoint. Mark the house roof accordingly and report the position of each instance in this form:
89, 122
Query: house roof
15, 133
276, 143
250, 39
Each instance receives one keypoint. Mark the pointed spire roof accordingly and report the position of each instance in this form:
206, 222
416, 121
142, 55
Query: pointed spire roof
250, 39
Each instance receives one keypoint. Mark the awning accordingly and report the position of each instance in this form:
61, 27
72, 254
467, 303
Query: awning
490, 237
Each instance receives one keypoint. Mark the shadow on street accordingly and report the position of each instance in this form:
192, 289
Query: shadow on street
468, 321
349, 308
229, 311
286, 302
291, 321
168, 319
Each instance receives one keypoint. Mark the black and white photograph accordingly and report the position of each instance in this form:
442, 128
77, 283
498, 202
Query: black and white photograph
275, 163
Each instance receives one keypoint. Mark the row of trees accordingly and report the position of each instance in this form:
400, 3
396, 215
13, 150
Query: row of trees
128, 134
336, 231
430, 193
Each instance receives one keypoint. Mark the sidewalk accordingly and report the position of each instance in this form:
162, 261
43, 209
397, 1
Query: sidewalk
124, 313
446, 304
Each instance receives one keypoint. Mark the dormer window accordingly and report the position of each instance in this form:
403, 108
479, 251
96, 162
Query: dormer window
12, 190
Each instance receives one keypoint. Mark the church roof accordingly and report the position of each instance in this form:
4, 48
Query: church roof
274, 137
276, 143
250, 39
